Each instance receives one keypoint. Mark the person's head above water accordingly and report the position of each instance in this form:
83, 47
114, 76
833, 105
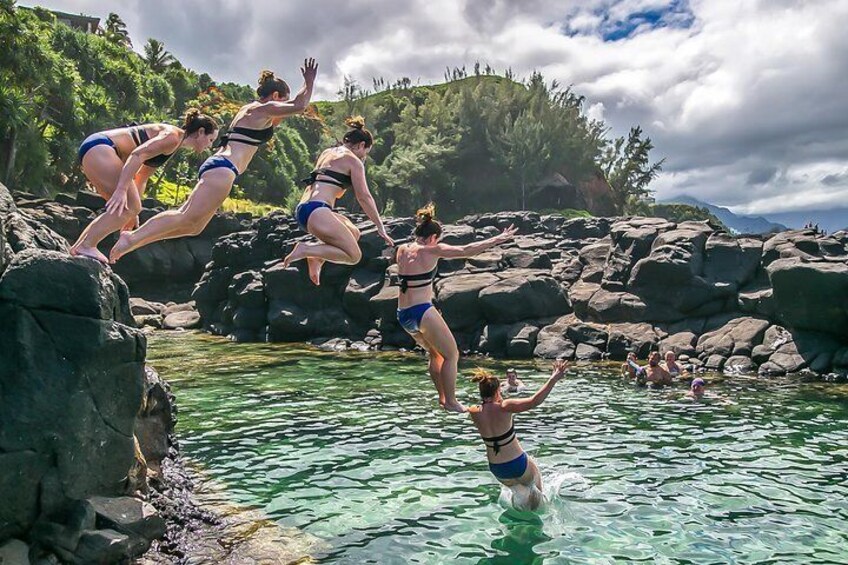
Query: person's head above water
511, 375
357, 138
698, 385
654, 359
427, 230
271, 87
200, 130
670, 357
488, 383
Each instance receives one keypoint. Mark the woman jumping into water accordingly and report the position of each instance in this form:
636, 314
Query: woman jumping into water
252, 126
336, 170
417, 262
494, 420
118, 162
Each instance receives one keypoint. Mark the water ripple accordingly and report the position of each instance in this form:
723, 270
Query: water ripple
352, 450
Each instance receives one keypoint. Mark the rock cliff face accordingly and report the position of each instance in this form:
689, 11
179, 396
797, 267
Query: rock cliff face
165, 266
584, 288
79, 418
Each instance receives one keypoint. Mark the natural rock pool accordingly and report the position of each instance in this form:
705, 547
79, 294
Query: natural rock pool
351, 449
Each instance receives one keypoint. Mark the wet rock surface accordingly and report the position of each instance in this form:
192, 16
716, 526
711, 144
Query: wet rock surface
643, 283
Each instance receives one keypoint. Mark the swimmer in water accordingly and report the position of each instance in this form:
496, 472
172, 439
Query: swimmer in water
494, 420
696, 390
670, 365
513, 383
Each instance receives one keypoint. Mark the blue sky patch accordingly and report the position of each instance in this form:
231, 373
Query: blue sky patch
675, 14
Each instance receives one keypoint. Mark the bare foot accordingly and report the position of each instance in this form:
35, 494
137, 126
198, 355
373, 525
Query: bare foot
315, 265
454, 406
296, 255
90, 252
121, 248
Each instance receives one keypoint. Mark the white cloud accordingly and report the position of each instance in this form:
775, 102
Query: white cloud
728, 90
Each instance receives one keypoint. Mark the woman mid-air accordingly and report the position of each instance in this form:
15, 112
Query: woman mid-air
494, 420
417, 262
118, 162
252, 126
336, 170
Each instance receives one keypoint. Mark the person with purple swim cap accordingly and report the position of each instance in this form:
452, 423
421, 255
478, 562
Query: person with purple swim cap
696, 390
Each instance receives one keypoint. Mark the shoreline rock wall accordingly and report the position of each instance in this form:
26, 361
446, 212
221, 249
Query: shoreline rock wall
586, 288
83, 426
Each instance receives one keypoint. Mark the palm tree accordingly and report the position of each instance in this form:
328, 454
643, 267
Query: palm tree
157, 58
116, 30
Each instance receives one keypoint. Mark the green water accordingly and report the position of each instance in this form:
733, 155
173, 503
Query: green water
351, 449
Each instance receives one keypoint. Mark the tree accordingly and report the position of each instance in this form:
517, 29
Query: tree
116, 30
627, 167
523, 148
156, 57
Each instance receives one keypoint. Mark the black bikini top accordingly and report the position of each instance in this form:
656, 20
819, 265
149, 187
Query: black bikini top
140, 136
496, 443
255, 137
339, 179
423, 279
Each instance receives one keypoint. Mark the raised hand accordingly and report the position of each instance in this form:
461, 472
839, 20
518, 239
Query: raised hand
309, 70
507, 234
558, 369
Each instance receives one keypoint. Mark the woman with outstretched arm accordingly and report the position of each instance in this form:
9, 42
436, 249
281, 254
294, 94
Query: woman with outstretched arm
508, 461
252, 127
417, 264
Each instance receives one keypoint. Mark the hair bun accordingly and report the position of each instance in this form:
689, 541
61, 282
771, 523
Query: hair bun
478, 375
190, 115
266, 76
355, 122
426, 214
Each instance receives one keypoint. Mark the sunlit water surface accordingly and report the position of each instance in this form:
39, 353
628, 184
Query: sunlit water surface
352, 449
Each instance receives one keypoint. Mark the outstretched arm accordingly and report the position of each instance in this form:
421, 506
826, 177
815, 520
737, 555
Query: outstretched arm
164, 142
301, 100
524, 404
460, 251
365, 199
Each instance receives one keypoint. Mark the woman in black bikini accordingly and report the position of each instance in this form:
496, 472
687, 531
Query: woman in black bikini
508, 461
118, 162
417, 262
336, 170
252, 126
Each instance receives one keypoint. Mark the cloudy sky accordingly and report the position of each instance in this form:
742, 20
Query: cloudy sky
747, 100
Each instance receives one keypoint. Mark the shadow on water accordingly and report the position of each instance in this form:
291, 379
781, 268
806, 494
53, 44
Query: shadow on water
523, 532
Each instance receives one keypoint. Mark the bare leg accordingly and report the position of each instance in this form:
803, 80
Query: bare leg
434, 367
338, 244
189, 219
436, 332
102, 167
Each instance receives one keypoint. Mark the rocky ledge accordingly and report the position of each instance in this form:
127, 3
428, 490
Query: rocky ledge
586, 288
84, 427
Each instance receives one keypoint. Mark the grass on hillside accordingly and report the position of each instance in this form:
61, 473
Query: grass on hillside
568, 213
174, 194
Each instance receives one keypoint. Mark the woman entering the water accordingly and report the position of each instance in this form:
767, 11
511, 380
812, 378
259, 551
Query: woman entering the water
494, 420
336, 170
417, 262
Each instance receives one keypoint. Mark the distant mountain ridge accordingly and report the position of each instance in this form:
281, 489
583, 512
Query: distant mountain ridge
737, 223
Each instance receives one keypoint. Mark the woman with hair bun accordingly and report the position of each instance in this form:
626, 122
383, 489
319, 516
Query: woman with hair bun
118, 162
337, 169
252, 126
417, 264
494, 420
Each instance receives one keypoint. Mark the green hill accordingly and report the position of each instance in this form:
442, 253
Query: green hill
478, 142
